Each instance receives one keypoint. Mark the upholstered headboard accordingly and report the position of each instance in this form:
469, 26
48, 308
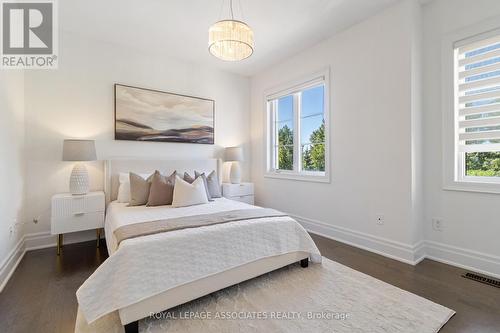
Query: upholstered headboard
113, 168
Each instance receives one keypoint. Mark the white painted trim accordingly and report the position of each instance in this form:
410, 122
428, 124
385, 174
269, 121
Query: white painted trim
453, 166
385, 247
29, 242
467, 259
10, 263
304, 177
284, 88
419, 252
411, 254
472, 187
40, 240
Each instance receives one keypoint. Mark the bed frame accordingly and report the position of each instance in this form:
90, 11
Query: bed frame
130, 315
205, 286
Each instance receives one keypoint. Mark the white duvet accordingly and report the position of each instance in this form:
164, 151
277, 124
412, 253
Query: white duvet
147, 266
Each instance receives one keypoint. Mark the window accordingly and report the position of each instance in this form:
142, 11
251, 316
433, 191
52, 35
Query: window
477, 108
297, 119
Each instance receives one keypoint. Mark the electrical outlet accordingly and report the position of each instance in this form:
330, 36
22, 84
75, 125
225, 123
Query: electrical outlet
13, 228
437, 224
379, 219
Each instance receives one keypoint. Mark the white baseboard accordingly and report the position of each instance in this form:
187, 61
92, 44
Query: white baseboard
467, 259
10, 263
35, 241
42, 240
419, 252
39, 240
411, 254
386, 247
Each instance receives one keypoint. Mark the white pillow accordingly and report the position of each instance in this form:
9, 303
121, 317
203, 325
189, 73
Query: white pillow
186, 194
124, 188
124, 193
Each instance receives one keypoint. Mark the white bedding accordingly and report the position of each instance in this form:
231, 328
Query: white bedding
147, 266
118, 214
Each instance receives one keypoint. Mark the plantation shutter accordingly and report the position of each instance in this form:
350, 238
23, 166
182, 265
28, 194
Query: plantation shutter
477, 77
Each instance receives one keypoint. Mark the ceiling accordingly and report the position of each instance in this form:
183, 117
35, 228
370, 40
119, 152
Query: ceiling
179, 28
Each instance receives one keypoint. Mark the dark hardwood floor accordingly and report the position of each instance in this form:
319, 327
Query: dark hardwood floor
40, 296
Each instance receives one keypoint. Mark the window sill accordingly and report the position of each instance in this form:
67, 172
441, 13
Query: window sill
473, 186
299, 177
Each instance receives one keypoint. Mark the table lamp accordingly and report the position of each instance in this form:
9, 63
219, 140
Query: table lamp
234, 155
79, 151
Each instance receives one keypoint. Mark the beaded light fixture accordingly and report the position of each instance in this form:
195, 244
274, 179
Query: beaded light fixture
230, 40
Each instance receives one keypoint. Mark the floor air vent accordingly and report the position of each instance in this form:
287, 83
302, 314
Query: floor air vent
482, 279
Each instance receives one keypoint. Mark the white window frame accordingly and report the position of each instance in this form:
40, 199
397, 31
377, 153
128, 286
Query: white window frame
454, 177
288, 89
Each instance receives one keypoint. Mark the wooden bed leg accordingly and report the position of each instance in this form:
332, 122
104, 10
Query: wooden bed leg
133, 327
304, 263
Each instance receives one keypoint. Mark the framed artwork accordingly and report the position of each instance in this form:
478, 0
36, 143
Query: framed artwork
151, 115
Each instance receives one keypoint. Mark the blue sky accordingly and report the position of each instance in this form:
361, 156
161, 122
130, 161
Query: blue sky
312, 111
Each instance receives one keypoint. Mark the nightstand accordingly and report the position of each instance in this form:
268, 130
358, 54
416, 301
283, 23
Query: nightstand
72, 213
240, 192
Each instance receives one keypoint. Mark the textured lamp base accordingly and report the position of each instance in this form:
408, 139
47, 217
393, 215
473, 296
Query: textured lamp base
235, 174
79, 183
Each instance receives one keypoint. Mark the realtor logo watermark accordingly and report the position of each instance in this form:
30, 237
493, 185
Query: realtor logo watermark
29, 34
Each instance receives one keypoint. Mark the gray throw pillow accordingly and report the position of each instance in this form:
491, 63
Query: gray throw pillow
162, 189
190, 180
139, 189
213, 184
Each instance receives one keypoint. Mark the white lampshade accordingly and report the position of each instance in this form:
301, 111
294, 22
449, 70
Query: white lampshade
79, 150
233, 154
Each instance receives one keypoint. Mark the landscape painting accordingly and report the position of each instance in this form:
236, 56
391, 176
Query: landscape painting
150, 115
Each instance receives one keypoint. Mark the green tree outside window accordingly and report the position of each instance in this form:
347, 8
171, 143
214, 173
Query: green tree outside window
485, 164
313, 154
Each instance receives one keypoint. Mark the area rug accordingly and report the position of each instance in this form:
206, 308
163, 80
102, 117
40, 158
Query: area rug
327, 297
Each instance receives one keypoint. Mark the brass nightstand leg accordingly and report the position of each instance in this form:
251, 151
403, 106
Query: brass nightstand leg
59, 243
98, 237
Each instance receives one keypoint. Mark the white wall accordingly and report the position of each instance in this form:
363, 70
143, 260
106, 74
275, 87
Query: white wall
11, 165
371, 133
471, 220
386, 130
77, 101
386, 141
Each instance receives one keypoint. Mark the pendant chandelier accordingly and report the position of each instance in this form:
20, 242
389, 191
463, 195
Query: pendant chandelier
230, 40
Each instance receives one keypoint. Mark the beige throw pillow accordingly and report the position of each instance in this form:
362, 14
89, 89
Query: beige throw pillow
139, 190
190, 180
162, 189
213, 185
186, 194
124, 188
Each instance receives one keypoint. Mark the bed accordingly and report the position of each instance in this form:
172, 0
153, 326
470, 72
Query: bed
153, 273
